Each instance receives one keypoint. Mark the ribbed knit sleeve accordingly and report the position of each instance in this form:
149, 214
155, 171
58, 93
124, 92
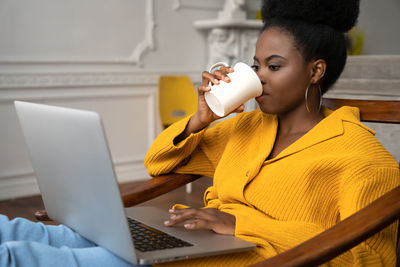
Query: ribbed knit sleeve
362, 188
211, 199
199, 153
276, 236
163, 155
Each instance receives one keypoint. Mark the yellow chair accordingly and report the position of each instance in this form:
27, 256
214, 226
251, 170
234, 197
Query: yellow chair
177, 98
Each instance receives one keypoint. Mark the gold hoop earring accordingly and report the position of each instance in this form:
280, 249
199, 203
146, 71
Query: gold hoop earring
306, 97
320, 98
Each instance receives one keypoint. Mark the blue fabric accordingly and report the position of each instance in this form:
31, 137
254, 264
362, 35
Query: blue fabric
25, 243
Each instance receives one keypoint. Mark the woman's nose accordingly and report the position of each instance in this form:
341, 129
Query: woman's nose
261, 76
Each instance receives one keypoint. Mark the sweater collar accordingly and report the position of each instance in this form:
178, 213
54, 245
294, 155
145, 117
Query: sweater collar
330, 127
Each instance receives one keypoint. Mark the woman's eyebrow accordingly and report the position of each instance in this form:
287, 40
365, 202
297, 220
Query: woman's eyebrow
275, 56
269, 58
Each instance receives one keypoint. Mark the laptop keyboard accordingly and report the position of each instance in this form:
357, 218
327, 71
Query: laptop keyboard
149, 239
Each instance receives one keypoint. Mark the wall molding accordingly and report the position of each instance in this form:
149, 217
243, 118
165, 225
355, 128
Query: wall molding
148, 43
90, 86
18, 186
96, 93
195, 4
119, 163
24, 183
12, 80
135, 58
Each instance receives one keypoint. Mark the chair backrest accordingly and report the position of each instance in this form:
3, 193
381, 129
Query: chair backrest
177, 98
385, 111
382, 111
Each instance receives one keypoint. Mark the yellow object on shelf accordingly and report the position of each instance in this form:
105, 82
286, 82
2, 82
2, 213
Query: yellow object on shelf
177, 98
258, 15
356, 37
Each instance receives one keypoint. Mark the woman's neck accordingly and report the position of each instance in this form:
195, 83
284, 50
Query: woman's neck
298, 122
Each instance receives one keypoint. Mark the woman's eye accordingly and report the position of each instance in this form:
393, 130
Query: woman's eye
255, 67
274, 67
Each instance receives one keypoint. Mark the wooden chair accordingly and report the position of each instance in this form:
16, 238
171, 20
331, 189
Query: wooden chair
332, 242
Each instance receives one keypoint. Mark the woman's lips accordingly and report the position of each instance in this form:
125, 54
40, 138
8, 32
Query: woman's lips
261, 97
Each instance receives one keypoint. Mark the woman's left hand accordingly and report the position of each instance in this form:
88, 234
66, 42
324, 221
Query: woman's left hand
213, 219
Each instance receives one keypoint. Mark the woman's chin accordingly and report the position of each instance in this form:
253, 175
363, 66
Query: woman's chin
266, 109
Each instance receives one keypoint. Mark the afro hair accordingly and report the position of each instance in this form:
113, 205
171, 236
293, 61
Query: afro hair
341, 15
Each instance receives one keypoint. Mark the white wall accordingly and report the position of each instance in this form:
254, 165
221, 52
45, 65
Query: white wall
107, 56
381, 21
99, 55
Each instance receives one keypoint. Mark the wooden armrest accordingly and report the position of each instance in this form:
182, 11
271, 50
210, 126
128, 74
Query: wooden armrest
142, 191
155, 187
343, 236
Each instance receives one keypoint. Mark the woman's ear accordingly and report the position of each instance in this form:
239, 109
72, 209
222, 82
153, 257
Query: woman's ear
318, 70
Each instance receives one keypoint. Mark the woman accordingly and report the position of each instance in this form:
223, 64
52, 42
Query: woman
281, 174
292, 169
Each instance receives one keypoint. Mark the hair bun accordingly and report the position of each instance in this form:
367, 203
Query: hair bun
339, 14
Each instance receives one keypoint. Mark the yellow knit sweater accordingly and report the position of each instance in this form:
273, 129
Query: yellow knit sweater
334, 170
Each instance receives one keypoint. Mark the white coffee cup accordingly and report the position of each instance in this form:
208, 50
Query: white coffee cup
226, 97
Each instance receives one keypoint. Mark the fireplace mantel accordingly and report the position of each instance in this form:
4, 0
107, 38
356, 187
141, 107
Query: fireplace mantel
230, 40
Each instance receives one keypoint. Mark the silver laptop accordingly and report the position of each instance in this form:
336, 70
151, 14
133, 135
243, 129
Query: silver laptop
73, 167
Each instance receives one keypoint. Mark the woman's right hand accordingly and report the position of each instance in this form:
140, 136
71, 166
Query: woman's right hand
204, 114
